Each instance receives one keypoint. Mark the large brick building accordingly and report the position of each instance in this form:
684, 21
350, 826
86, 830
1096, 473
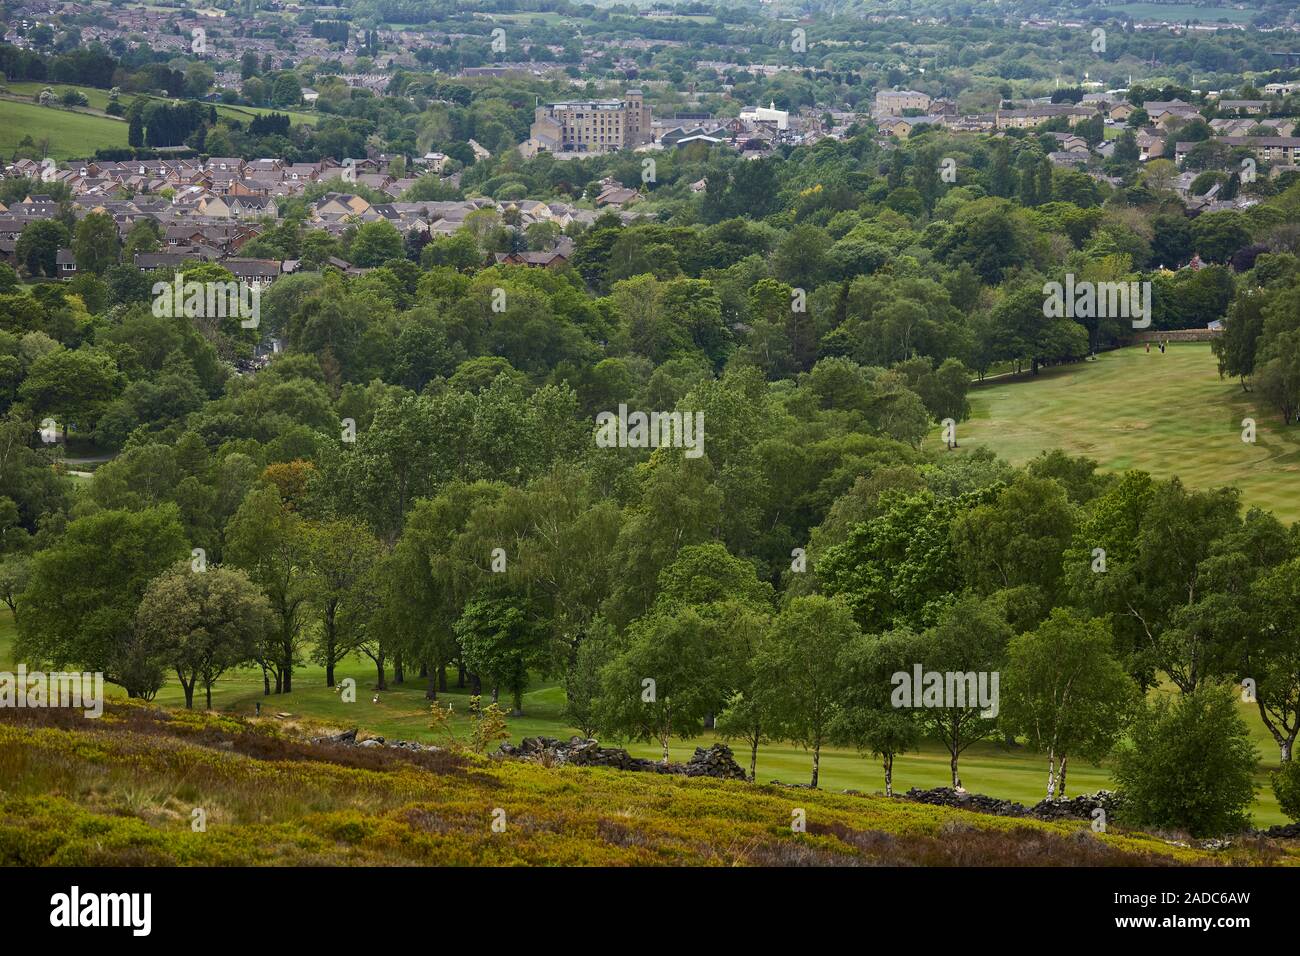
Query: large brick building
592, 126
893, 102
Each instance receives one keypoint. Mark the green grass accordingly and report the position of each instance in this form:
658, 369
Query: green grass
1166, 414
533, 18
99, 100
96, 99
246, 113
72, 135
403, 713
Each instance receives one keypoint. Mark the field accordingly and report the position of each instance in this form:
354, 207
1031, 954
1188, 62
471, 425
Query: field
72, 135
531, 18
245, 113
1167, 414
96, 99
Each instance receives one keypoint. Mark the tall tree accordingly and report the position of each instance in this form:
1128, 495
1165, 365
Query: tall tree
428, 579
1155, 538
96, 245
798, 670
72, 384
80, 605
1272, 653
970, 638
665, 680
1064, 691
266, 539
868, 719
1017, 539
38, 247
502, 638
342, 556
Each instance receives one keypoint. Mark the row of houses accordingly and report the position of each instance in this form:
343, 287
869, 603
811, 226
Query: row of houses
1028, 117
194, 234
1276, 150
171, 31
891, 105
220, 187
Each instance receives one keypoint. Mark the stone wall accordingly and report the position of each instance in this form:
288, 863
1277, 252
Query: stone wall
715, 761
1071, 808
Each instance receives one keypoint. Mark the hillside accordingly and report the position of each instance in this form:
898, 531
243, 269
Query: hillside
1167, 414
122, 790
77, 134
71, 134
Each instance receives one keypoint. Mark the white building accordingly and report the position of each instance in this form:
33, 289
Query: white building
769, 114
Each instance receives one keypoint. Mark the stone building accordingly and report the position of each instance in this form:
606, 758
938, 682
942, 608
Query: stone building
592, 126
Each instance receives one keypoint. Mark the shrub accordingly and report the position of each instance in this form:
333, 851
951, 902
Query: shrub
1286, 787
489, 727
1188, 765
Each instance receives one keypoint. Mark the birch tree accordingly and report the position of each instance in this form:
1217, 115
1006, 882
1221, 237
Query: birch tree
867, 719
970, 638
1064, 691
798, 669
1272, 658
664, 682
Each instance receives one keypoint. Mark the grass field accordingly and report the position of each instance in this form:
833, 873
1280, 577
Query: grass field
1167, 414
72, 135
96, 99
246, 113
